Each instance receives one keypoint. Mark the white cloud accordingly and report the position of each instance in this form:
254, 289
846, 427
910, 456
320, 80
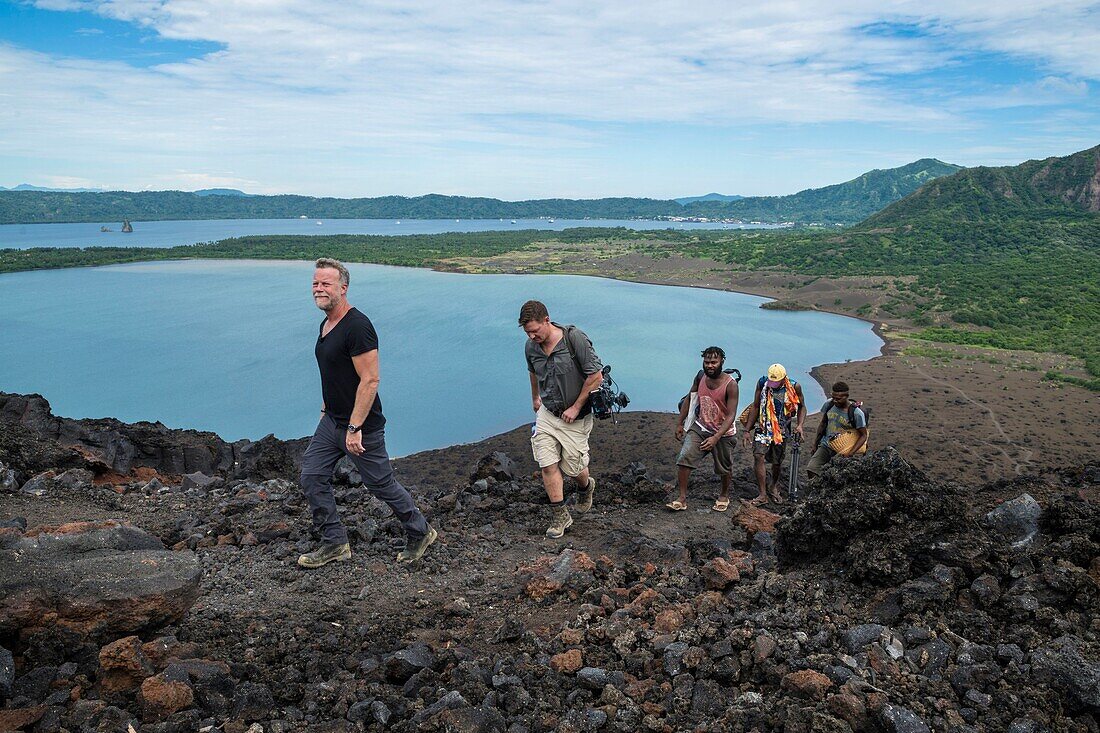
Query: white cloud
338, 83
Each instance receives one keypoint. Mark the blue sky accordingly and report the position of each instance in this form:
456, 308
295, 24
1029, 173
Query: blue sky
524, 100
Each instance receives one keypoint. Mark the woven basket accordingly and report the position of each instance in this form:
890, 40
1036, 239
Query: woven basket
744, 417
844, 442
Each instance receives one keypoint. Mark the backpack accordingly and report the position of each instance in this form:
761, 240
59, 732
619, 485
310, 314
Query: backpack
852, 405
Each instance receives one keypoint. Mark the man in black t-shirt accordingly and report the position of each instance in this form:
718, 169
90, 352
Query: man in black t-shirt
351, 424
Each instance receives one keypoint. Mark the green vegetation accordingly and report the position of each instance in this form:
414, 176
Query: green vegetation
418, 250
1090, 384
843, 203
28, 207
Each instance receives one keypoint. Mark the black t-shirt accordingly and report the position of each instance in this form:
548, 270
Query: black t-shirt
352, 336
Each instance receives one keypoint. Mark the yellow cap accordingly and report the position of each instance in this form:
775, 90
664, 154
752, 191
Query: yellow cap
777, 373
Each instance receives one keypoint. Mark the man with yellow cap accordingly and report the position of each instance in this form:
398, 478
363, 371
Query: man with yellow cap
777, 404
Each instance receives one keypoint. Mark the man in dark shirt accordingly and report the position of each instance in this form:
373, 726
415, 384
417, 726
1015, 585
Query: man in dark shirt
351, 424
564, 369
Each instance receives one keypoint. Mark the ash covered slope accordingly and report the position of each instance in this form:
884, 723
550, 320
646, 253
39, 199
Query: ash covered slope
887, 601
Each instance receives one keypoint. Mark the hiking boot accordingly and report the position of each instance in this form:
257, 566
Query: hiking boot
584, 497
560, 522
325, 554
415, 551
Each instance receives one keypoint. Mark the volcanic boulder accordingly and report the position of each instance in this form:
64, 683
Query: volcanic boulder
100, 581
884, 520
496, 465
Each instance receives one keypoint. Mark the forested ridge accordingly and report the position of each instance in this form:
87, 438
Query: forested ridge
844, 203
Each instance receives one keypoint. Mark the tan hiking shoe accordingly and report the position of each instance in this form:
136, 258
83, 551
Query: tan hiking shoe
325, 554
584, 497
561, 522
415, 551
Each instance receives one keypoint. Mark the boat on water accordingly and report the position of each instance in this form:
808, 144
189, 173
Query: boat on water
513, 221
303, 216
551, 221
127, 227
106, 229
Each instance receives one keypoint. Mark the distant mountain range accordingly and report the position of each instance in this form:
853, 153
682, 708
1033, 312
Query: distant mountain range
200, 192
29, 187
844, 203
708, 197
220, 192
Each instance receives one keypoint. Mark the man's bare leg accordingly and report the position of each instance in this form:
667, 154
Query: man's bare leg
773, 487
683, 474
725, 489
761, 479
552, 481
582, 478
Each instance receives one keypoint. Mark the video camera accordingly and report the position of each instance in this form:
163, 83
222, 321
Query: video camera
607, 400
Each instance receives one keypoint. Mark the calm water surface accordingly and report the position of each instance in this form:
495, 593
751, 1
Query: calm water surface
227, 346
172, 233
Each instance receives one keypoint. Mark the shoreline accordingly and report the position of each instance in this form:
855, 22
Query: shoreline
992, 407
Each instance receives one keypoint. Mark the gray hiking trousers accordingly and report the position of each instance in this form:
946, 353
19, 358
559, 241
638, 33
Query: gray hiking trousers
325, 450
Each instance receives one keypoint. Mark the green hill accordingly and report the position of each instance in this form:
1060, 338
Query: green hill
843, 203
1054, 187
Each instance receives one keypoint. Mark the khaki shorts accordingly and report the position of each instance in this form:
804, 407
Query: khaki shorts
692, 453
556, 441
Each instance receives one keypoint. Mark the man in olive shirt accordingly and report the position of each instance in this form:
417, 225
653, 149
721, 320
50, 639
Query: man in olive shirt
351, 424
564, 369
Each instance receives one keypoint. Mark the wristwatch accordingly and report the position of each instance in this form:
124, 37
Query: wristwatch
354, 428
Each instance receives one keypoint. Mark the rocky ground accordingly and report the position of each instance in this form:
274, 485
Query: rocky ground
885, 601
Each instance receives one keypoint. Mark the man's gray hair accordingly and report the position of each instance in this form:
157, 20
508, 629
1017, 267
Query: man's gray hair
329, 263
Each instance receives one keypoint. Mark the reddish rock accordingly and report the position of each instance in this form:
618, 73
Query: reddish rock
124, 665
19, 718
668, 621
720, 573
807, 683
755, 519
162, 696
762, 648
851, 709
163, 648
99, 580
742, 560
549, 575
642, 602
567, 662
571, 637
708, 602
638, 689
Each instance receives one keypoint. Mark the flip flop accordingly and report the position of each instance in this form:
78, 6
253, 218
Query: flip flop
721, 505
676, 506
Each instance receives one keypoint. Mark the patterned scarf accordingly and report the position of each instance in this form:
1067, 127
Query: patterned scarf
769, 423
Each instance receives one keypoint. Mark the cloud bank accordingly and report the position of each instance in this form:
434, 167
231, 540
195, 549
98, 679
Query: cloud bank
373, 97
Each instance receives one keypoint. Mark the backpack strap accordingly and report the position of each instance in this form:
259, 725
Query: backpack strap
825, 418
698, 378
567, 335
